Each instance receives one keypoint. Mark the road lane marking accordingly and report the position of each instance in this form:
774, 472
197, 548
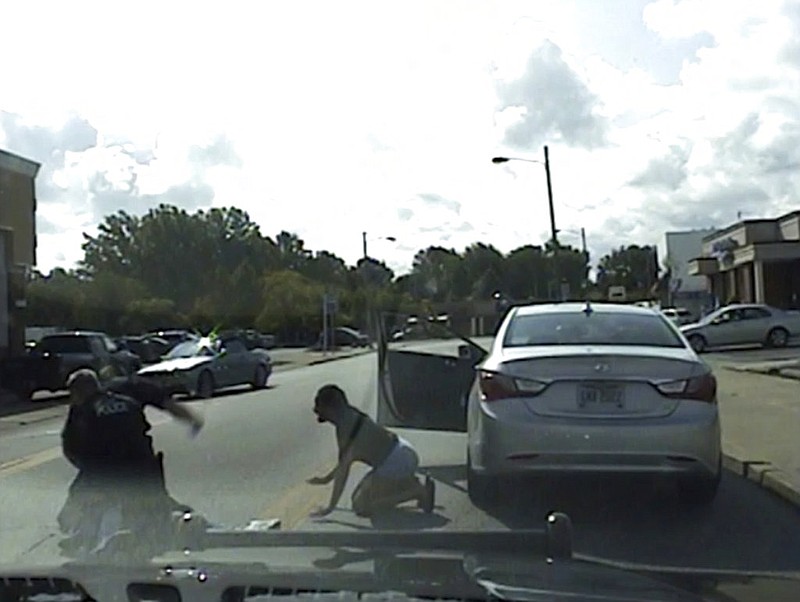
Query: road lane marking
296, 503
28, 462
18, 465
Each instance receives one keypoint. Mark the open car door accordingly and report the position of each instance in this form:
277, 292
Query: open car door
425, 384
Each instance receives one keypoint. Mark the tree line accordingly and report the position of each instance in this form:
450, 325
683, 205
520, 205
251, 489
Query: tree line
216, 269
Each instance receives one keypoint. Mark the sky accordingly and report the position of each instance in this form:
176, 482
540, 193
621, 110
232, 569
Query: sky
328, 119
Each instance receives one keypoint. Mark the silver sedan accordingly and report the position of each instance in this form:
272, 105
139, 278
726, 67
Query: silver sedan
568, 388
743, 324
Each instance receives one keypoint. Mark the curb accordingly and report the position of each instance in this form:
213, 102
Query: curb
787, 372
765, 475
325, 360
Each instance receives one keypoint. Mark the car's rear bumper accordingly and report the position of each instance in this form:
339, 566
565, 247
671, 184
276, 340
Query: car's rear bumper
685, 442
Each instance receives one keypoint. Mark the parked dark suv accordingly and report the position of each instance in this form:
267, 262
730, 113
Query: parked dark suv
344, 336
83, 349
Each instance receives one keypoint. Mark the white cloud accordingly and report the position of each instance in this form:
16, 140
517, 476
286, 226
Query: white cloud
330, 119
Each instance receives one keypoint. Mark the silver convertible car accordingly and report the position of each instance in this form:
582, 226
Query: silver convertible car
567, 388
202, 366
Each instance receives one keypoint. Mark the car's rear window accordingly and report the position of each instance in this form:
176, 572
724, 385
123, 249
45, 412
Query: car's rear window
65, 344
593, 328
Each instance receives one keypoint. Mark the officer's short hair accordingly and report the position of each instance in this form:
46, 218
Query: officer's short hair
82, 378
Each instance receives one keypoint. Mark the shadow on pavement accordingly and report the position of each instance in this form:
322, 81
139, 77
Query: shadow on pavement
745, 527
408, 519
404, 518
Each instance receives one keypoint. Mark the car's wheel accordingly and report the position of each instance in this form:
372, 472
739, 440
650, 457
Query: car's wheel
482, 489
778, 337
205, 385
698, 343
260, 377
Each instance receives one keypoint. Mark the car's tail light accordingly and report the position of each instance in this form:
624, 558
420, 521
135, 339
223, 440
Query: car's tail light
701, 388
495, 386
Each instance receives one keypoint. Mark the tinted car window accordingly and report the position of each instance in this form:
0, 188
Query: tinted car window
65, 344
235, 346
755, 313
592, 329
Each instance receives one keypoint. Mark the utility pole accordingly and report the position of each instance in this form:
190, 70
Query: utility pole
364, 243
553, 231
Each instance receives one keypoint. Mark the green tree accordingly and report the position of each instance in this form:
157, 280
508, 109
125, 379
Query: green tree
566, 266
325, 268
54, 299
526, 271
634, 267
177, 255
146, 314
435, 274
292, 305
292, 254
484, 267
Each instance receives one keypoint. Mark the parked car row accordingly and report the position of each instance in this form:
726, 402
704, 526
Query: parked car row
184, 361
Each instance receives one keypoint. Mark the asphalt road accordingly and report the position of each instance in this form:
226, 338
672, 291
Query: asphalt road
257, 449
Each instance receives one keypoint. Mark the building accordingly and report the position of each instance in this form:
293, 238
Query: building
753, 261
17, 246
687, 290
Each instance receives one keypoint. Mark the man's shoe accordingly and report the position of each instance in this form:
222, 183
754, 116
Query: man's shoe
427, 503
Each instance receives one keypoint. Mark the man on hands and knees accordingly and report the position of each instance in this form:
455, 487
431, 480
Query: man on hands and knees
394, 462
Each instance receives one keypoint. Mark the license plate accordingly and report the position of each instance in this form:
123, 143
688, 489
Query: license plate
600, 395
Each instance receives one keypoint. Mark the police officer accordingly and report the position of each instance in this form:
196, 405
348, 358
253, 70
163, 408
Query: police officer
107, 438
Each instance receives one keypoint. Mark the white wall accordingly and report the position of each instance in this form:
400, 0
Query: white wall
4, 318
682, 247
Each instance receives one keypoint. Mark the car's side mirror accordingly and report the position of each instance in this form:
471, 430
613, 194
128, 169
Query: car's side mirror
468, 352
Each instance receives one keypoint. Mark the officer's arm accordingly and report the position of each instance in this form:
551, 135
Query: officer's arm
181, 412
73, 440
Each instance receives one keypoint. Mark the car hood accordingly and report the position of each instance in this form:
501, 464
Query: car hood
423, 576
177, 364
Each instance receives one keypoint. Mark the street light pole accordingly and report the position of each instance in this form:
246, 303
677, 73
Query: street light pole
546, 163
553, 231
364, 243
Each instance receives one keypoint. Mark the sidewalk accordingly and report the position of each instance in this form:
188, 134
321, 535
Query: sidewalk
784, 368
289, 359
760, 414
